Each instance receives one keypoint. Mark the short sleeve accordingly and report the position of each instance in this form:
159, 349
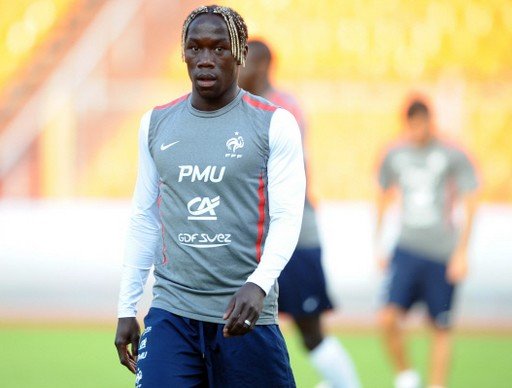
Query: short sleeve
464, 173
386, 175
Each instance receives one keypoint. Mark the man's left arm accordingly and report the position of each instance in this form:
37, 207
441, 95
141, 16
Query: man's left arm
467, 183
457, 269
286, 193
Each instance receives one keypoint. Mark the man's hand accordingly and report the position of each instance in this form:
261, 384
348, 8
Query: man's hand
246, 305
382, 262
128, 333
457, 268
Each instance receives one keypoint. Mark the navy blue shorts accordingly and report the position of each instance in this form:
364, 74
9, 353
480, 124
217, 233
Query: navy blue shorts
414, 278
302, 288
181, 352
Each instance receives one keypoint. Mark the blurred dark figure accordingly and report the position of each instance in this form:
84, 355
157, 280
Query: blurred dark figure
302, 287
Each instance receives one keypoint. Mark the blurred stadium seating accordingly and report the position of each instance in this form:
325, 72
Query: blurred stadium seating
350, 65
24, 25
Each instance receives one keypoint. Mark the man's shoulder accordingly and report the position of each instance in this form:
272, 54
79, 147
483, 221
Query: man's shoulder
396, 147
452, 148
258, 103
161, 112
172, 104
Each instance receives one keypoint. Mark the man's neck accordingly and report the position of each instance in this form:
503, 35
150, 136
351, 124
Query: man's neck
424, 143
207, 105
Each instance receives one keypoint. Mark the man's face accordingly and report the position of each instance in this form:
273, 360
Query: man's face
211, 66
418, 128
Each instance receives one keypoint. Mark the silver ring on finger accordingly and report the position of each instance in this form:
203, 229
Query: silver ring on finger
247, 323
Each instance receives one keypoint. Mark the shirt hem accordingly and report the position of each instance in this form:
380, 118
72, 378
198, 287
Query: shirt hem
204, 318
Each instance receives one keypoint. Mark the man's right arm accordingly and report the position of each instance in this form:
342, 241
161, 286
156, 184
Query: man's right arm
383, 201
142, 242
385, 196
467, 185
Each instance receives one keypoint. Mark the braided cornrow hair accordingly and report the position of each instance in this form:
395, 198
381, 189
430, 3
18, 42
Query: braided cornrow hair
236, 27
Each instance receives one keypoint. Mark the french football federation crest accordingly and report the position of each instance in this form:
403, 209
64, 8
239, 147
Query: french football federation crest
234, 144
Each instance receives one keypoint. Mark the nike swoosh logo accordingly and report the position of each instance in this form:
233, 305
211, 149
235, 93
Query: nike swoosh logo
163, 147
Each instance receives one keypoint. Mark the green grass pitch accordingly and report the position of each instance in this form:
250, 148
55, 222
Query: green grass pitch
80, 358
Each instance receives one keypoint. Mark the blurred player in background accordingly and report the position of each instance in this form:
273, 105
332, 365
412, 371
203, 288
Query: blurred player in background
430, 257
217, 210
302, 287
